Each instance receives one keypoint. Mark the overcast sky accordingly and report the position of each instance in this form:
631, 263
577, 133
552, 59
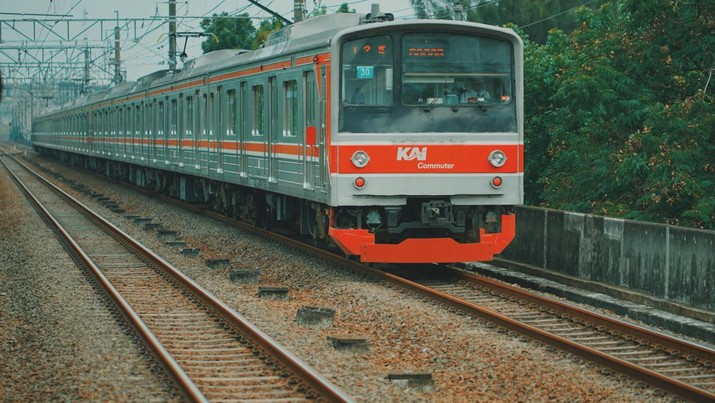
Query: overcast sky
147, 54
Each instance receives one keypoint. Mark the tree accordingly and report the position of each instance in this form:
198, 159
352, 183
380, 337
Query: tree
535, 18
630, 127
344, 8
232, 33
267, 26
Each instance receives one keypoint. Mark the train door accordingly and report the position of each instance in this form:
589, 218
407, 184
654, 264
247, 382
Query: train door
189, 139
230, 131
243, 132
180, 131
322, 177
151, 138
162, 132
139, 141
314, 144
218, 130
91, 119
127, 131
198, 113
137, 127
272, 128
311, 104
172, 144
210, 133
201, 100
256, 151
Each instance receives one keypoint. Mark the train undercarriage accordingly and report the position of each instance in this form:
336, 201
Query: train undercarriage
422, 230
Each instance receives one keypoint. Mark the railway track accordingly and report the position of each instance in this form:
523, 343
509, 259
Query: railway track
674, 365
670, 364
211, 351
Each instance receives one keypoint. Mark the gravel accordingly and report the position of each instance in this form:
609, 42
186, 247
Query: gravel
469, 360
59, 339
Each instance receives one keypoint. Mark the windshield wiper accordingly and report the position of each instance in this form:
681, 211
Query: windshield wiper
480, 105
434, 101
429, 106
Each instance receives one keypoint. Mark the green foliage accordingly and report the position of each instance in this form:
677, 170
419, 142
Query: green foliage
617, 119
535, 17
345, 8
266, 27
232, 33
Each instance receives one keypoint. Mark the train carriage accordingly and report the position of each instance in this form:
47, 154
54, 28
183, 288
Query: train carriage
398, 141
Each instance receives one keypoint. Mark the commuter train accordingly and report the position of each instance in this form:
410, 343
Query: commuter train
396, 141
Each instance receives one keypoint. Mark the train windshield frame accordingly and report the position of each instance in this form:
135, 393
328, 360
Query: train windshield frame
427, 82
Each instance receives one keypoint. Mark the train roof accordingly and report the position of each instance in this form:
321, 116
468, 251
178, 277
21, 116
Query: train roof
308, 34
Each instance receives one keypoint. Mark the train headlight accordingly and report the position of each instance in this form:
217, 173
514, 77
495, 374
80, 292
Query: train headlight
497, 158
360, 158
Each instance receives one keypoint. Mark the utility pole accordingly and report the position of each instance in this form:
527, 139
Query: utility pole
117, 57
85, 79
172, 35
458, 11
298, 10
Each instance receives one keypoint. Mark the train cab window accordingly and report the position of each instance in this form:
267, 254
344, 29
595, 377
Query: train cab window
258, 115
290, 108
231, 113
448, 69
367, 66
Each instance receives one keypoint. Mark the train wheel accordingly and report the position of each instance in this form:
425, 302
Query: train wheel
267, 219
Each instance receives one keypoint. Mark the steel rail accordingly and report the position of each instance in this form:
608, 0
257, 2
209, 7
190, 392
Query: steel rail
323, 388
181, 378
672, 385
638, 332
658, 380
637, 372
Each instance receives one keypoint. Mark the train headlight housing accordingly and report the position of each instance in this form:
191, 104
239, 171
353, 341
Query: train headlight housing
497, 158
360, 158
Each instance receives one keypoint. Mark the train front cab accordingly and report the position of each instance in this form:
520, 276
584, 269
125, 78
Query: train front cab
422, 169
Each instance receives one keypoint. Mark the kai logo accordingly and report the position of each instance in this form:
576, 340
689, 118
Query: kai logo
411, 153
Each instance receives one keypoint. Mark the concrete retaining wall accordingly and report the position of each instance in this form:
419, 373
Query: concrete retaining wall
673, 263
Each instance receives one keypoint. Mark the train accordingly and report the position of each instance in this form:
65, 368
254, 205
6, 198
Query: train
394, 141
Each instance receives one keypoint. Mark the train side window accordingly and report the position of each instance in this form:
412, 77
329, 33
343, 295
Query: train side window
173, 117
128, 122
203, 115
231, 113
149, 119
189, 127
119, 120
258, 115
137, 119
290, 108
160, 130
210, 116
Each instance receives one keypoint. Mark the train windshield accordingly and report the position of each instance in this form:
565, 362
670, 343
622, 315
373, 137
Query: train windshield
440, 69
427, 82
368, 71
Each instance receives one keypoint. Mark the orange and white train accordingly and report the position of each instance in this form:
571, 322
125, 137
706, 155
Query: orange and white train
398, 141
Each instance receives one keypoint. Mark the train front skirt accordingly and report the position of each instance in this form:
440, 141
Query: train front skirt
361, 243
